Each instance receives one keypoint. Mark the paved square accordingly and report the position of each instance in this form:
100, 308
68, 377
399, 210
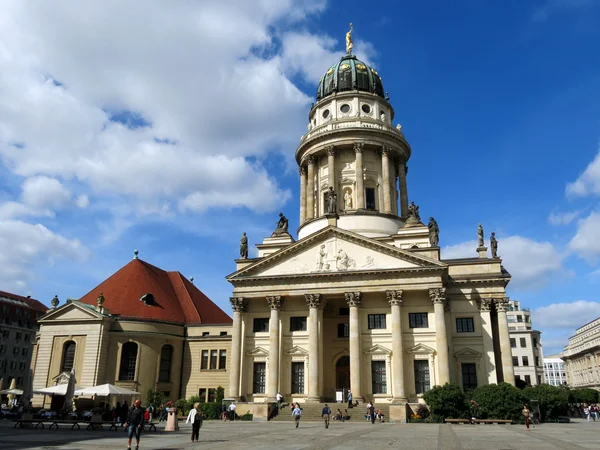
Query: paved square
312, 435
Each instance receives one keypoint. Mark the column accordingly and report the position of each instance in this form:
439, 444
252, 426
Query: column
275, 303
360, 180
331, 166
485, 305
505, 351
353, 299
302, 171
438, 297
402, 171
310, 188
385, 171
238, 305
314, 303
399, 394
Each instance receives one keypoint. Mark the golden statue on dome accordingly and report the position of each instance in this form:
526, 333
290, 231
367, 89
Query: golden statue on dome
349, 41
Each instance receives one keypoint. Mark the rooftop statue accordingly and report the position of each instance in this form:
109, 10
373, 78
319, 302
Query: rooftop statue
494, 245
282, 225
413, 211
434, 232
349, 41
480, 236
244, 246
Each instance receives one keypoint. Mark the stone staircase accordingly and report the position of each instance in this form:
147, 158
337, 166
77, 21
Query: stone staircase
312, 411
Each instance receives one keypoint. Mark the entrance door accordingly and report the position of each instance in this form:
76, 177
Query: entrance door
342, 375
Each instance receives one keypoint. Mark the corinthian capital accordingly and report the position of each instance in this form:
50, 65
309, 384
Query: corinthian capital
394, 297
437, 295
352, 298
330, 150
386, 150
358, 147
313, 300
237, 304
311, 160
485, 304
302, 170
275, 301
501, 304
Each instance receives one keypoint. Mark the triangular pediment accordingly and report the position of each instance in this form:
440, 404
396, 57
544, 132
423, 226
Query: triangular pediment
378, 350
467, 353
258, 351
295, 350
62, 378
335, 251
72, 311
421, 349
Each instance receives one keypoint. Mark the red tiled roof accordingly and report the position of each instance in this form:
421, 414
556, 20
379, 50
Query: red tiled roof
175, 298
36, 305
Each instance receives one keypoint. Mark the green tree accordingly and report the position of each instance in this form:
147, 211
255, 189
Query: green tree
553, 400
499, 401
447, 402
584, 395
220, 395
155, 398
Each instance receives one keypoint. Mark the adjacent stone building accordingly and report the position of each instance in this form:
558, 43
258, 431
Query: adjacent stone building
526, 345
18, 325
364, 299
554, 370
582, 357
143, 328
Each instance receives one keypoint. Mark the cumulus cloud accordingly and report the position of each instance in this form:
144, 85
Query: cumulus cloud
42, 192
566, 315
586, 242
563, 218
588, 183
532, 264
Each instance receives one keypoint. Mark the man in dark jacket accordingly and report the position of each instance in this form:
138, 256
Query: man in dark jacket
325, 414
134, 424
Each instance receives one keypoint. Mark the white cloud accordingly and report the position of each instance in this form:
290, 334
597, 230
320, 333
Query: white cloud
25, 245
566, 315
586, 242
43, 192
532, 264
588, 182
563, 218
82, 201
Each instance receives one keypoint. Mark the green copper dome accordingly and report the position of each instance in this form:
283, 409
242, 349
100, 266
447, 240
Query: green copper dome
347, 75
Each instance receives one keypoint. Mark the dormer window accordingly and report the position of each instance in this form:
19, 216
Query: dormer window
148, 299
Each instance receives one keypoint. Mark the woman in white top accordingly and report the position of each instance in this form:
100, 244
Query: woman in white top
195, 418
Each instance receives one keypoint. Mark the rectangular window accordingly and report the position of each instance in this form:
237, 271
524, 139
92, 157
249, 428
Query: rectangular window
376, 321
515, 361
519, 318
469, 376
222, 359
539, 378
535, 342
261, 324
204, 360
370, 198
513, 343
297, 378
223, 333
5, 334
213, 359
343, 330
418, 320
298, 323
523, 342
465, 325
22, 366
344, 311
525, 360
537, 361
15, 351
17, 336
421, 376
378, 378
528, 379
260, 378
27, 338
24, 352
202, 395
212, 393
205, 333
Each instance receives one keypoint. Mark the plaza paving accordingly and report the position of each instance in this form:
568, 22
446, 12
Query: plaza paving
312, 435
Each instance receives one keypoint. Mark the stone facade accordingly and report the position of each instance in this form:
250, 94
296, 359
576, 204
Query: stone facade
582, 357
526, 345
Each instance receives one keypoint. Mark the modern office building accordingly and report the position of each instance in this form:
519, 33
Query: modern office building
554, 370
526, 345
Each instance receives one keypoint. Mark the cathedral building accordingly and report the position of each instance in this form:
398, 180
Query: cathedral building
363, 300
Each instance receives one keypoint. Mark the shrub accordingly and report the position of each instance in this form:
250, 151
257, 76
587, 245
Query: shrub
553, 400
219, 395
447, 401
584, 395
499, 401
246, 416
211, 410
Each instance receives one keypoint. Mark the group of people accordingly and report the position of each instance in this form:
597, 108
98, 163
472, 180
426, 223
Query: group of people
591, 412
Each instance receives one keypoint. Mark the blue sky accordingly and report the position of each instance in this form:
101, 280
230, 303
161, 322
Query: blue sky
172, 128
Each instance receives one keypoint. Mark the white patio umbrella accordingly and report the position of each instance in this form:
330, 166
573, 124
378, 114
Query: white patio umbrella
68, 404
105, 390
59, 389
11, 392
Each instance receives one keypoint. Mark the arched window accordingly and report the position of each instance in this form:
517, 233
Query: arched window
166, 357
128, 361
68, 356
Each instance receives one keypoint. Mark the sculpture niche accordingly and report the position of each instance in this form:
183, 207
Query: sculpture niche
331, 198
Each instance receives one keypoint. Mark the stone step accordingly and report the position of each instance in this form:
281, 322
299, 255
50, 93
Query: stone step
312, 411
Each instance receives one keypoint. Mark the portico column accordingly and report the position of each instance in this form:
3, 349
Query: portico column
399, 394
438, 297
238, 305
360, 181
385, 171
310, 188
488, 339
402, 171
507, 365
302, 171
314, 302
353, 299
275, 303
331, 166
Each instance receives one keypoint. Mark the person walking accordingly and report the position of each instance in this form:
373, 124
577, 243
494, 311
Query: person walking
325, 414
134, 422
349, 399
279, 399
372, 413
296, 413
232, 409
526, 414
195, 418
